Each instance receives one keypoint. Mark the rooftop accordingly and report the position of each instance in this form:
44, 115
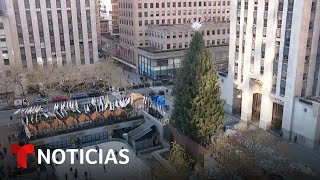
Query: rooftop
110, 36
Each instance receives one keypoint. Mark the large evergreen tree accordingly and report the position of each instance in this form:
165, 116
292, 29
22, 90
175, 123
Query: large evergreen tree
198, 109
185, 87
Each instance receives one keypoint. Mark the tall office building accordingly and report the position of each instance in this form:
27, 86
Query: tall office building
6, 48
149, 30
57, 32
115, 17
274, 66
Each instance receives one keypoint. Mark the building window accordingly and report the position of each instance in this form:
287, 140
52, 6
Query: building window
2, 38
4, 50
87, 3
1, 25
6, 62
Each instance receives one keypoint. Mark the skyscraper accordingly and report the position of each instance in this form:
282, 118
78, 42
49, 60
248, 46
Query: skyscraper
57, 32
274, 65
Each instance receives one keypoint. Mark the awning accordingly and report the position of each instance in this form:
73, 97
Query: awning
124, 62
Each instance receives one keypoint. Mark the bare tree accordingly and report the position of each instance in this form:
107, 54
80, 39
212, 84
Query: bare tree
43, 79
71, 78
18, 76
7, 85
103, 73
109, 74
251, 153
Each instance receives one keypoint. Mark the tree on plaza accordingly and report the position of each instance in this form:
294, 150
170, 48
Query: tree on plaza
178, 158
43, 79
18, 76
253, 153
198, 109
72, 78
207, 107
103, 72
6, 84
184, 88
109, 74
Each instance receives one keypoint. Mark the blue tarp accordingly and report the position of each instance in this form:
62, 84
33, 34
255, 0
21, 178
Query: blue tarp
158, 100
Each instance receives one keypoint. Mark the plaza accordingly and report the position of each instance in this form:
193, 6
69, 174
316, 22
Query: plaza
135, 169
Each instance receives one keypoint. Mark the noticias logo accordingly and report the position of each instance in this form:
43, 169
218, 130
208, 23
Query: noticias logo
58, 156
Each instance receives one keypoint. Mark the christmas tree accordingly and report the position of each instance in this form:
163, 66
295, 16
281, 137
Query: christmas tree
199, 111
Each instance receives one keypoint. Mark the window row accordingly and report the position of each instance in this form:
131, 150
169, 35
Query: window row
182, 12
180, 4
183, 20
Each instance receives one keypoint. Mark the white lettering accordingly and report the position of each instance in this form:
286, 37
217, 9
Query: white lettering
81, 156
88, 156
72, 154
111, 156
56, 159
126, 157
100, 156
58, 156
41, 155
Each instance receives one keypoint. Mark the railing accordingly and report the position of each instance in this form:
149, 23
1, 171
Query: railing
93, 124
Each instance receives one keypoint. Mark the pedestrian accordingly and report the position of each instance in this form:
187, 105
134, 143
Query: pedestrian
75, 173
11, 118
116, 153
70, 170
77, 156
86, 174
104, 168
5, 151
9, 169
38, 171
66, 176
9, 139
1, 155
